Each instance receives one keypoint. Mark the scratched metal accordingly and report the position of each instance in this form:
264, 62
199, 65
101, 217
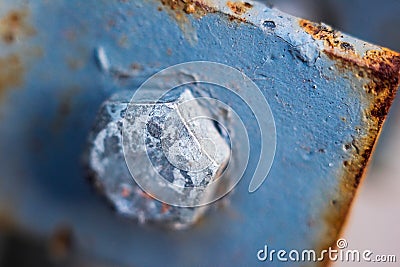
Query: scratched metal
59, 60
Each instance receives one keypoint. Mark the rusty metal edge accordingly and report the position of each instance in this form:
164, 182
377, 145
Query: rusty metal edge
382, 68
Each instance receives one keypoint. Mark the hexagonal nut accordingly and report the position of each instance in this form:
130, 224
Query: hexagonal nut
186, 152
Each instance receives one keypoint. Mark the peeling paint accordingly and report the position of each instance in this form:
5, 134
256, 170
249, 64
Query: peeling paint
75, 63
325, 33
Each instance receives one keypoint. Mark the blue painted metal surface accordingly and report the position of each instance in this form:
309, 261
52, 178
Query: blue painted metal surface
52, 83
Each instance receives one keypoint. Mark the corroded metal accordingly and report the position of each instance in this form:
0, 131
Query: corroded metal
186, 151
329, 93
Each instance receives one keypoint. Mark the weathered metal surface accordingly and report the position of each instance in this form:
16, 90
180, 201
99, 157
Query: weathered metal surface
329, 94
188, 152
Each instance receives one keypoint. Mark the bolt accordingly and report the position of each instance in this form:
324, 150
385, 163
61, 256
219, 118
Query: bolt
184, 147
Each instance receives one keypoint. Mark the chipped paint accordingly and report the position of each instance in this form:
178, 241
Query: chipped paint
324, 32
239, 8
180, 9
75, 63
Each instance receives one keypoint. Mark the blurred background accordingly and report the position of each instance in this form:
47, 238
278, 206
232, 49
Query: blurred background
375, 218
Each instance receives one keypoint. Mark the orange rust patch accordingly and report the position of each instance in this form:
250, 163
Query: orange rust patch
169, 52
179, 10
190, 8
125, 192
382, 68
327, 34
136, 66
14, 25
180, 7
11, 73
239, 8
237, 19
165, 208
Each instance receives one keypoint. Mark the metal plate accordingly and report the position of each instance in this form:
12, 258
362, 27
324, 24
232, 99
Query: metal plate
329, 94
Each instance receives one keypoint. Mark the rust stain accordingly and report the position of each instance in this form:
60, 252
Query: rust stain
125, 192
330, 36
239, 8
75, 63
136, 66
237, 19
64, 108
165, 208
181, 7
7, 220
14, 25
70, 35
11, 73
61, 243
123, 41
382, 68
